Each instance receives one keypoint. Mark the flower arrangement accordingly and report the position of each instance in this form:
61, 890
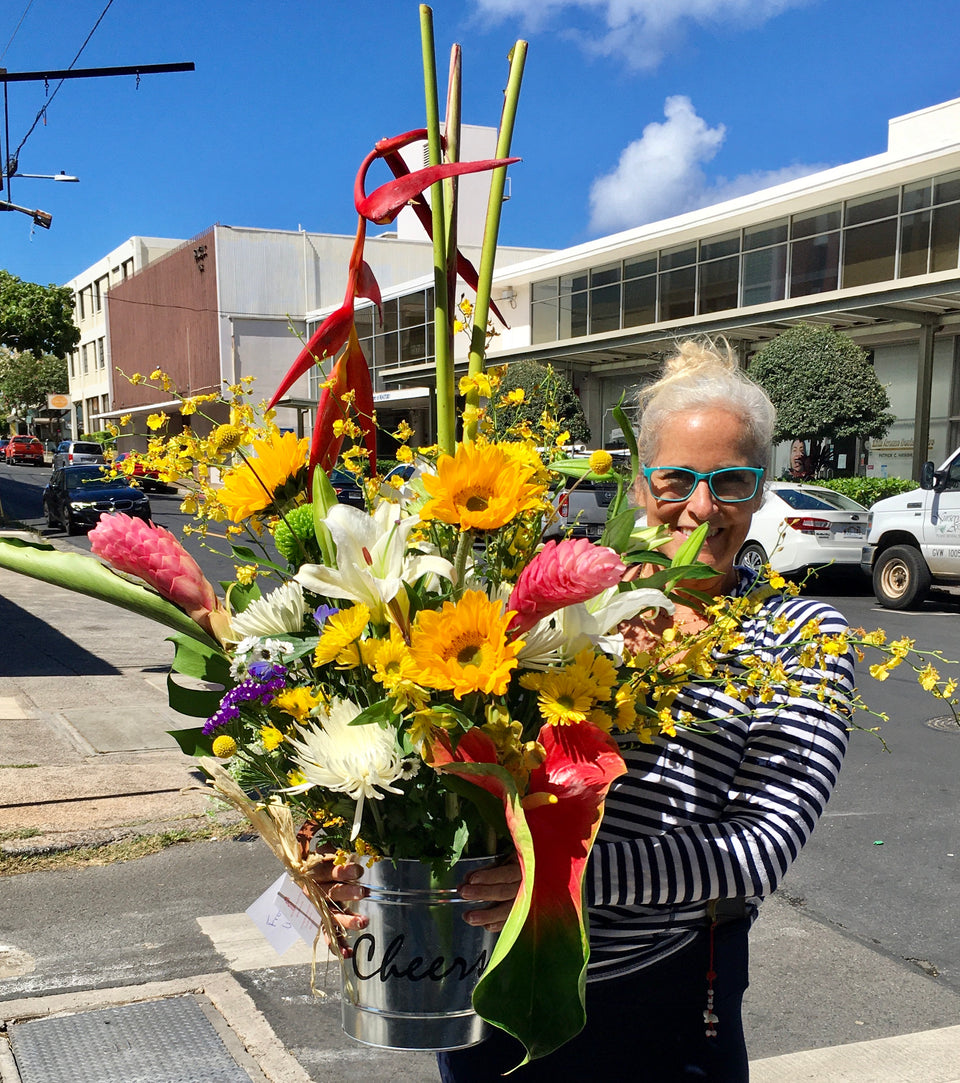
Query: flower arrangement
426, 679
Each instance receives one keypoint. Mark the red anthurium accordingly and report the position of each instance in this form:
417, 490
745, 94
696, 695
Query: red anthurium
534, 985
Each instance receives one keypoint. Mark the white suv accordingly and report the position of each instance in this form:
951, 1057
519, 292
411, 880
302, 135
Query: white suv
77, 453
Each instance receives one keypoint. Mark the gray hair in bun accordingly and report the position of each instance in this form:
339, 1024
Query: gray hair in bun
703, 375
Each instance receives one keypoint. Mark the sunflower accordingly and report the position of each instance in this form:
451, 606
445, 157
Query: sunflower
463, 647
481, 487
268, 477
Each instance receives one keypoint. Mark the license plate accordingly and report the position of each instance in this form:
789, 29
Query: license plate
854, 532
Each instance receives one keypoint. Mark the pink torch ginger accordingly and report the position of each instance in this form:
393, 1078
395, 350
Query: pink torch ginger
561, 574
155, 556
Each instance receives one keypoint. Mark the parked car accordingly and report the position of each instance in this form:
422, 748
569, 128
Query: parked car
799, 526
914, 541
24, 449
347, 488
581, 508
4, 440
76, 453
142, 475
77, 496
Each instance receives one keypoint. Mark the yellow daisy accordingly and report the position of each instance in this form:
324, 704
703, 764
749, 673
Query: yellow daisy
340, 635
463, 647
272, 737
297, 702
479, 488
564, 699
595, 671
274, 467
392, 663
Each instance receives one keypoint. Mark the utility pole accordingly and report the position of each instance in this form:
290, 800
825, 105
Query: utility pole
8, 160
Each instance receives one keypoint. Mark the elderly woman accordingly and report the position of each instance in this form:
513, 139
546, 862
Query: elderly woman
706, 823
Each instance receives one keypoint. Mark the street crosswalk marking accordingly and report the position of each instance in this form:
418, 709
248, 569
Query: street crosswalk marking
243, 947
929, 1056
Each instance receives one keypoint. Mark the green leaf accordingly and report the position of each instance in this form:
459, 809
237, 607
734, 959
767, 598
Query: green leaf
193, 742
380, 713
203, 663
86, 575
324, 498
246, 555
617, 534
620, 416
690, 549
240, 596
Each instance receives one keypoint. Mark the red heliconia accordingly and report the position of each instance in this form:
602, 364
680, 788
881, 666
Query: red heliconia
351, 371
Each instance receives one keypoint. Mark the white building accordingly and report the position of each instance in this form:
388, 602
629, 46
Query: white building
870, 248
89, 363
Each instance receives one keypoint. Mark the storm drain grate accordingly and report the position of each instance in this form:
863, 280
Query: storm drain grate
946, 723
158, 1041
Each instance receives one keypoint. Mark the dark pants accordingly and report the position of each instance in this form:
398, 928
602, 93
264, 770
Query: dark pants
645, 1028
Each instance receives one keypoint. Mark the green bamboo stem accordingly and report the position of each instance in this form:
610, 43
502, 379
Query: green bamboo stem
450, 185
491, 229
446, 416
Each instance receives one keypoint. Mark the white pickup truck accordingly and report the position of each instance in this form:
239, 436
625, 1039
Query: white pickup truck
914, 540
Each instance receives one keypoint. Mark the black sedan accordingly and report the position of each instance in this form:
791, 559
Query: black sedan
77, 496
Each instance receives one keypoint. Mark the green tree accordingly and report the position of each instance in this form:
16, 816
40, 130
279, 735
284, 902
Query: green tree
25, 380
544, 389
36, 319
824, 389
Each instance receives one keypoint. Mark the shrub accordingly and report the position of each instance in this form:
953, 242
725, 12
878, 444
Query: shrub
868, 491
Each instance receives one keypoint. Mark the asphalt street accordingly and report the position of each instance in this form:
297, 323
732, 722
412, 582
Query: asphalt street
859, 945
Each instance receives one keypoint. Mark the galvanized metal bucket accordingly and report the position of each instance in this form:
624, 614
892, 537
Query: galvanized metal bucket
412, 971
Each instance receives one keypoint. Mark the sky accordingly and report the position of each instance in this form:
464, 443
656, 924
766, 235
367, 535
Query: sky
630, 111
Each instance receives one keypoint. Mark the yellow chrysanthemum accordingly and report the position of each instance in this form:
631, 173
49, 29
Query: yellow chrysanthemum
297, 702
564, 699
463, 647
272, 737
224, 747
340, 635
481, 487
595, 671
252, 487
392, 663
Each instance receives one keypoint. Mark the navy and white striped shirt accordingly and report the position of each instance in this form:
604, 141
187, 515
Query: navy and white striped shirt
717, 814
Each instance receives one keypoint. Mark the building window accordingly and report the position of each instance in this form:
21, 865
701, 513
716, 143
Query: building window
895, 233
81, 308
126, 268
97, 298
101, 362
83, 358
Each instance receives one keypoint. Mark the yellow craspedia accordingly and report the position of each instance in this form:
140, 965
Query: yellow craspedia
224, 747
600, 461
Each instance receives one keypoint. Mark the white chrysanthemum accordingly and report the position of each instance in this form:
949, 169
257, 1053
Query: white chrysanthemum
360, 761
278, 613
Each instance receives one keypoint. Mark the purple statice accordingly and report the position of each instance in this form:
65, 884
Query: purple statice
248, 691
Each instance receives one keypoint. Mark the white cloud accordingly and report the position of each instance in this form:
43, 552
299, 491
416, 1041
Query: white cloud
639, 31
660, 174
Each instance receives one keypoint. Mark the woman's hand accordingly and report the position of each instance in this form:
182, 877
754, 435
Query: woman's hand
494, 884
339, 886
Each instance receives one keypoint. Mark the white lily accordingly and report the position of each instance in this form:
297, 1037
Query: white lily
593, 623
359, 761
280, 612
372, 559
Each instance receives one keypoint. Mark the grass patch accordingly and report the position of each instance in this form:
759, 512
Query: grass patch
107, 854
20, 833
17, 766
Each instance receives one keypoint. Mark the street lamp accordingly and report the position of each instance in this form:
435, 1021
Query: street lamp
61, 176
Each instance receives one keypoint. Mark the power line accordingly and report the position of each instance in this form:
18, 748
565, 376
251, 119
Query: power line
16, 31
49, 101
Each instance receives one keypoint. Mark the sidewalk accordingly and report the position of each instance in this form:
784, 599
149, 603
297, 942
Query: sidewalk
85, 759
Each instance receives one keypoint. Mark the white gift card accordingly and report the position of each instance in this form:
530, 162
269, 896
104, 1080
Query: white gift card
274, 923
299, 911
